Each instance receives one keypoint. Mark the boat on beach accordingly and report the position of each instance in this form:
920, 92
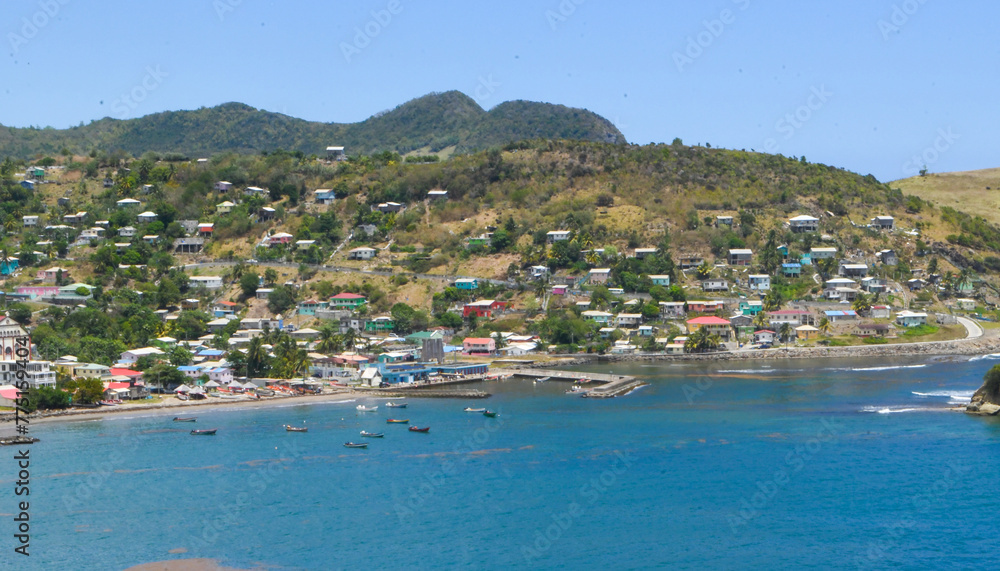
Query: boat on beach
489, 413
290, 428
424, 429
208, 432
397, 420
363, 408
355, 445
367, 434
470, 409
185, 419
396, 404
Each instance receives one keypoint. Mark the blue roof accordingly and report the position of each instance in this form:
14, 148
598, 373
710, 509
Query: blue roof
185, 368
791, 265
845, 313
210, 353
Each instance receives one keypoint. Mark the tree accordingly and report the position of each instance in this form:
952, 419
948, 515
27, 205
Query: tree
862, 304
450, 320
20, 313
256, 357
270, 276
330, 341
164, 376
932, 266
88, 391
47, 398
249, 282
825, 326
772, 301
785, 331
281, 299
704, 270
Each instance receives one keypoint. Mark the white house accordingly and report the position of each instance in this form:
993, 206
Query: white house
965, 304
822, 253
324, 195
883, 222
759, 282
911, 318
437, 194
254, 190
362, 253
209, 282
127, 232
147, 217
597, 316
554, 236
715, 285
128, 202
803, 223
30, 220
133, 355
628, 320
223, 186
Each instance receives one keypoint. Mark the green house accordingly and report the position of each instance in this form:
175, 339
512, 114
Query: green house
347, 301
750, 307
379, 325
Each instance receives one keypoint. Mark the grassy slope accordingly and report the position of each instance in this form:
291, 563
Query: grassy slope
975, 192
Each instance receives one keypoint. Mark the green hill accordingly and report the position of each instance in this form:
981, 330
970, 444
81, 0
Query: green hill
435, 121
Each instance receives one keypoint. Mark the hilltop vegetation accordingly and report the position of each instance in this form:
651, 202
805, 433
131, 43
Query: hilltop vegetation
435, 121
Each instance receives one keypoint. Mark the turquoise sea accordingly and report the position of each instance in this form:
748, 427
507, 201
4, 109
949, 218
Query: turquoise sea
803, 464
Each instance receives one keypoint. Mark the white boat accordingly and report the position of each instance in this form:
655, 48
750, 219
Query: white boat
577, 389
396, 404
470, 409
363, 408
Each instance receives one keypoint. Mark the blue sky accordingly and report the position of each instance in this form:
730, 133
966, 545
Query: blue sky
862, 84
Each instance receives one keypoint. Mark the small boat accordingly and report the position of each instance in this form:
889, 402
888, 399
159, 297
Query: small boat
396, 404
355, 445
424, 429
489, 414
367, 434
108, 403
204, 432
185, 419
182, 397
363, 408
470, 409
576, 389
296, 428
397, 420
542, 380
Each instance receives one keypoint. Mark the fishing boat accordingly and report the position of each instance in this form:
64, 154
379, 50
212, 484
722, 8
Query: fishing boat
209, 432
542, 380
489, 414
397, 420
296, 428
470, 409
355, 445
576, 389
367, 434
185, 419
424, 429
396, 404
363, 408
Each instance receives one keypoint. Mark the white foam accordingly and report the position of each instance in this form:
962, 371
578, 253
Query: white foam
950, 394
886, 368
981, 357
898, 409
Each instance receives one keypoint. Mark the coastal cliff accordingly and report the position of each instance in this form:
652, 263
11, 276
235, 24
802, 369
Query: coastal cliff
986, 401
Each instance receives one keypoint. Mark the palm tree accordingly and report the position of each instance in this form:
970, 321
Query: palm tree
256, 356
862, 304
330, 341
772, 301
704, 270
785, 331
760, 320
349, 337
825, 326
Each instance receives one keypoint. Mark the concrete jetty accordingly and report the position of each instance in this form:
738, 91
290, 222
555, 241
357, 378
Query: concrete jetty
609, 385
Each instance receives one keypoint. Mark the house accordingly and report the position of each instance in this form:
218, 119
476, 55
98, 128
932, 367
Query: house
538, 272
822, 253
309, 306
660, 280
559, 290
254, 191
687, 261
483, 308
791, 270
8, 266
363, 253
705, 306
151, 239
366, 229
437, 194
783, 250
481, 241
35, 172
759, 282
628, 320
742, 324
714, 325
671, 309
598, 276
911, 318
479, 345
714, 285
223, 186
518, 349
28, 184
723, 221
347, 300
852, 270
205, 229
871, 330
132, 355
208, 282
263, 292
803, 223
279, 238
641, 253
793, 317
883, 222
597, 316
888, 257
646, 330
147, 189
224, 207
389, 207
223, 308
78, 218
267, 213
764, 336
916, 284
740, 256
30, 220
324, 195
379, 324
36, 373
554, 236
836, 316
50, 275
965, 304
751, 307
188, 245
127, 232
147, 217
62, 201
335, 154
467, 283
108, 182
806, 332
879, 312
10, 332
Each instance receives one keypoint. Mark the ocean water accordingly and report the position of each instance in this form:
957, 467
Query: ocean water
805, 464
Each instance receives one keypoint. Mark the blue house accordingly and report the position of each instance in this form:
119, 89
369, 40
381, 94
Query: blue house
806, 259
660, 280
28, 184
791, 270
8, 266
467, 283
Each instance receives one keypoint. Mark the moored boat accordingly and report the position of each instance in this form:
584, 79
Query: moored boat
363, 408
185, 419
296, 428
355, 445
470, 409
489, 414
397, 420
208, 432
367, 434
576, 389
424, 429
396, 404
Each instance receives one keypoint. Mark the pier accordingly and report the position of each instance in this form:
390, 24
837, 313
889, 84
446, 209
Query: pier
610, 385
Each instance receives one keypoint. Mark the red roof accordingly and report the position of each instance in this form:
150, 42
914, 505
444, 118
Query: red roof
346, 295
478, 340
709, 320
116, 386
227, 303
125, 372
764, 331
9, 393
